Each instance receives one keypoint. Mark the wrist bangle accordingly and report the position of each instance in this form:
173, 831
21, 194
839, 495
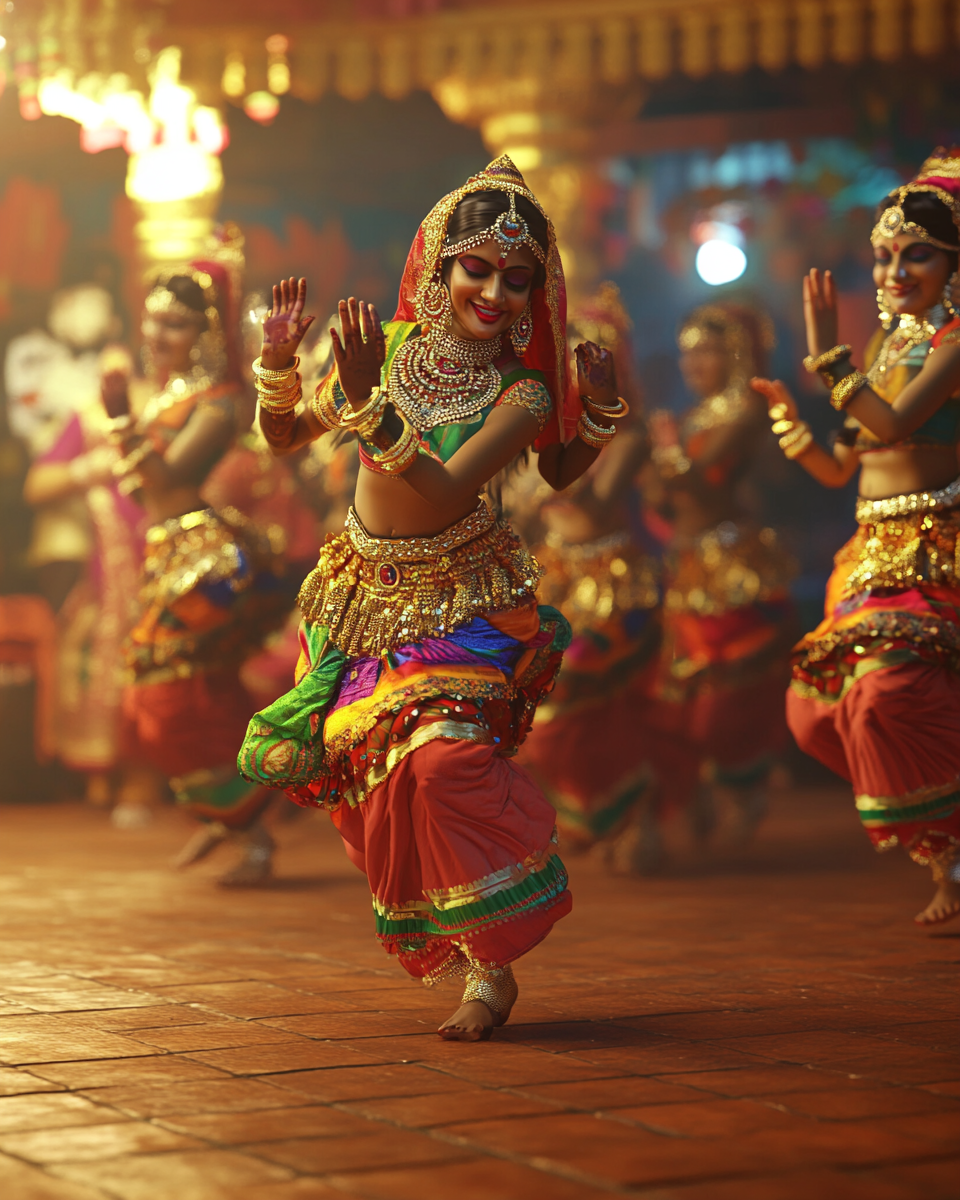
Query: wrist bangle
365, 421
845, 390
280, 404
324, 405
832, 375
795, 449
826, 359
604, 410
271, 375
401, 455
596, 436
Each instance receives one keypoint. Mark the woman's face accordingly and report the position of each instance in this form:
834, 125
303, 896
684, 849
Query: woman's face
170, 338
705, 366
486, 299
911, 273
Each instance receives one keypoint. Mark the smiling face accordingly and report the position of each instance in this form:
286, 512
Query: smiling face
705, 366
170, 338
911, 273
487, 300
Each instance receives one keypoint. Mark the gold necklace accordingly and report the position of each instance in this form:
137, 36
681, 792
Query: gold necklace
911, 331
438, 379
177, 388
723, 409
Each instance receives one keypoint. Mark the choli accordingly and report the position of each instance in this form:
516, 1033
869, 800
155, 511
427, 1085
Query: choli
523, 388
894, 360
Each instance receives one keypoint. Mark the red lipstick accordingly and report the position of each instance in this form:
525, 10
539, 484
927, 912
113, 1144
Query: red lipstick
489, 316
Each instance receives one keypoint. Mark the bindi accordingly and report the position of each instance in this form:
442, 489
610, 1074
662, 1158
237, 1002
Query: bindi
896, 247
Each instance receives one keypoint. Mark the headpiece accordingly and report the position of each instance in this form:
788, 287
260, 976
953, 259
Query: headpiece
747, 335
939, 176
423, 293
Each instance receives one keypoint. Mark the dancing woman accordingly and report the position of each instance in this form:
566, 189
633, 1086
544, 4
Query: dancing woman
876, 686
424, 652
728, 620
209, 592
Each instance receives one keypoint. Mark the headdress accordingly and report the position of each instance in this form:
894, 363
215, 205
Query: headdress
422, 277
219, 275
939, 176
747, 335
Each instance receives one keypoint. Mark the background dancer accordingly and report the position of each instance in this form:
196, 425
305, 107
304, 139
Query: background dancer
727, 617
425, 654
875, 692
587, 748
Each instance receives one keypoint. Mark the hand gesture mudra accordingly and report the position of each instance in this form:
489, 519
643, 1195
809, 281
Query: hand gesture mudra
596, 373
285, 325
820, 311
781, 405
359, 350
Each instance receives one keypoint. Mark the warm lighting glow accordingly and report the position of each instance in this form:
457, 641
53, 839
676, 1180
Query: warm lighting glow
234, 79
261, 107
720, 262
177, 172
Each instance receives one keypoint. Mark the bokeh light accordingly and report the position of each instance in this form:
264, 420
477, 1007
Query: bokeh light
720, 262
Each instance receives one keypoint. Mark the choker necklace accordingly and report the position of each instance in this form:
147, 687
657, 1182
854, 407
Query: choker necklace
438, 379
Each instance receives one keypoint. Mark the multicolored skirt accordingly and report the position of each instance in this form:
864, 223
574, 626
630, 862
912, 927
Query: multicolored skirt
588, 747
875, 692
403, 723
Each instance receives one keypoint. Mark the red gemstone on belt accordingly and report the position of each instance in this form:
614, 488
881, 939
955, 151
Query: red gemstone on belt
388, 574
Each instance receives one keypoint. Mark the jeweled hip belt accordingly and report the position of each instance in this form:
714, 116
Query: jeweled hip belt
376, 593
869, 512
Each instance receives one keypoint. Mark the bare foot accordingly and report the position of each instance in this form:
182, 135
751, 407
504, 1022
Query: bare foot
472, 1022
944, 905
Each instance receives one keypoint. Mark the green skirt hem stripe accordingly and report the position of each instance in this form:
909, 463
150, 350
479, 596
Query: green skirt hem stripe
931, 810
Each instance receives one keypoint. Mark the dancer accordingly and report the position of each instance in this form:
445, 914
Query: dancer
424, 653
210, 588
728, 620
587, 748
875, 693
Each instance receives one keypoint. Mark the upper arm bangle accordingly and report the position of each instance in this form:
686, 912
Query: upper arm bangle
826, 359
844, 391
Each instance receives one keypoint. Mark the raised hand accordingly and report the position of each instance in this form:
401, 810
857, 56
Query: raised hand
820, 311
596, 373
781, 406
285, 325
113, 392
359, 350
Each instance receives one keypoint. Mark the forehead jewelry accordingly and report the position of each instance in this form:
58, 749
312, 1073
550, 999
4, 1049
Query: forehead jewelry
509, 231
893, 220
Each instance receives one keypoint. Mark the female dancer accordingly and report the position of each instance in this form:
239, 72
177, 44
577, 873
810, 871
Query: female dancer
209, 592
727, 616
424, 654
876, 686
587, 748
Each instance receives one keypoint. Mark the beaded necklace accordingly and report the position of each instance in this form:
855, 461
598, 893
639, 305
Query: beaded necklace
178, 388
910, 332
439, 379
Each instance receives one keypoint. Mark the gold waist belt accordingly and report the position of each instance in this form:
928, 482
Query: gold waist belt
377, 593
869, 512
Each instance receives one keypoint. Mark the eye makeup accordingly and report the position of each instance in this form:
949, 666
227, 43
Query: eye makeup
517, 279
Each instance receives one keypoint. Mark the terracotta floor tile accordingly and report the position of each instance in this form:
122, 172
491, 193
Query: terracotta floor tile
242, 999
278, 1124
50, 1111
219, 1035
855, 1103
188, 1175
662, 1056
759, 1081
294, 1189
19, 1181
472, 1179
712, 1118
15, 1083
822, 1183
46, 1038
448, 1108
938, 1035
158, 1071
379, 1147
88, 1142
366, 1083
941, 1127
301, 1055
354, 1025
596, 1094
152, 1016
208, 1095
73, 995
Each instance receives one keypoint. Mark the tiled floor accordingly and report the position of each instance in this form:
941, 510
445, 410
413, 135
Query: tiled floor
770, 1025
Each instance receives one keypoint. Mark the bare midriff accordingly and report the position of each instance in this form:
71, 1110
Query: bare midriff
900, 470
389, 507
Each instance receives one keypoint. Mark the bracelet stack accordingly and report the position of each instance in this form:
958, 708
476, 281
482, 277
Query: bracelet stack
365, 421
795, 436
279, 391
844, 391
401, 455
595, 436
822, 364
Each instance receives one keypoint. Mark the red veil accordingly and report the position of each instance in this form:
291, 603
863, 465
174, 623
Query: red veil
547, 351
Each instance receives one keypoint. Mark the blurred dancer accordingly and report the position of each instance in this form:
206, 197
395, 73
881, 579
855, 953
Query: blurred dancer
876, 686
210, 589
425, 654
587, 748
728, 621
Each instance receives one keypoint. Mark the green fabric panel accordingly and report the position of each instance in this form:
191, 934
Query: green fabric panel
562, 633
224, 797
288, 720
931, 810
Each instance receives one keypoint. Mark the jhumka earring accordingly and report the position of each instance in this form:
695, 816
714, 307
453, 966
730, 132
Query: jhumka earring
434, 307
521, 331
886, 317
951, 295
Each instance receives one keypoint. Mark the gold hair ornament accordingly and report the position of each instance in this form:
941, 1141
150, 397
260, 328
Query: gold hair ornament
893, 220
509, 230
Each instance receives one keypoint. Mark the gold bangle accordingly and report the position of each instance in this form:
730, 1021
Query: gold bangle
783, 426
826, 359
401, 455
603, 410
365, 421
595, 436
844, 391
799, 431
777, 411
285, 402
795, 449
270, 374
